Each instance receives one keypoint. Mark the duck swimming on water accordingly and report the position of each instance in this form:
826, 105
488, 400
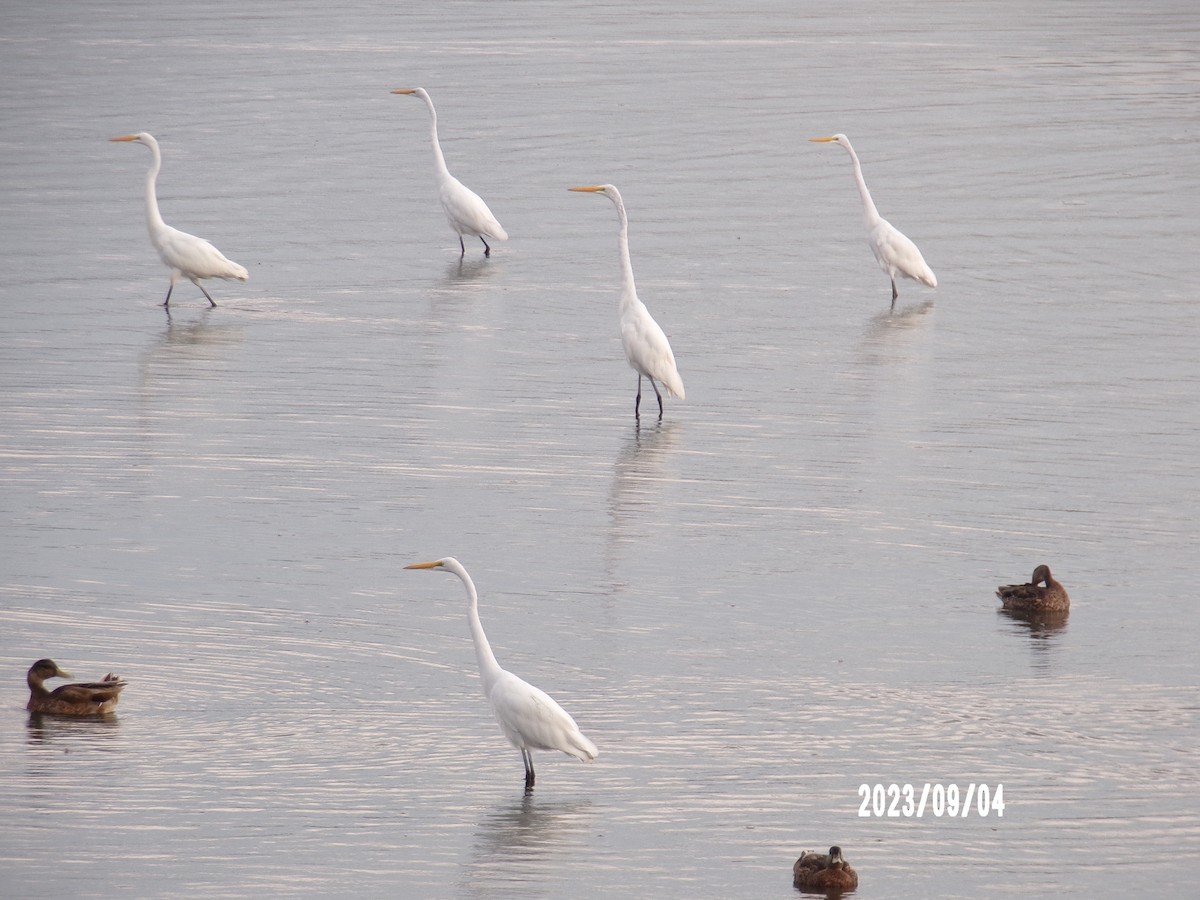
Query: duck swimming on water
1033, 597
824, 871
94, 698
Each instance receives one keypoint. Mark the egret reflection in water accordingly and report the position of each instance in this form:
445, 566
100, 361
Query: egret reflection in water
641, 472
526, 841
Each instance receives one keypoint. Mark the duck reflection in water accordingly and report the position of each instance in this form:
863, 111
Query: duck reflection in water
68, 735
1040, 625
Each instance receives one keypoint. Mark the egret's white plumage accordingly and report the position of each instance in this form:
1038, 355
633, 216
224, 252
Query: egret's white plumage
895, 253
183, 253
465, 210
528, 716
646, 345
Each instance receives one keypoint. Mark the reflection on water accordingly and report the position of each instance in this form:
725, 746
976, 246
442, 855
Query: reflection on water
640, 469
185, 345
1045, 631
1040, 625
70, 733
640, 472
208, 330
899, 338
63, 755
465, 271
907, 316
525, 844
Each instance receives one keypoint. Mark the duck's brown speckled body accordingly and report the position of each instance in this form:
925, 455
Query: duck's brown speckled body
1034, 597
824, 871
92, 699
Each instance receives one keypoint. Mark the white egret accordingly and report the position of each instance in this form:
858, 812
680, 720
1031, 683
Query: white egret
465, 209
528, 716
182, 253
894, 252
646, 345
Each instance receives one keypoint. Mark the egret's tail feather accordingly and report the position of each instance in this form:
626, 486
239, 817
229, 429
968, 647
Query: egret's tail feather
583, 749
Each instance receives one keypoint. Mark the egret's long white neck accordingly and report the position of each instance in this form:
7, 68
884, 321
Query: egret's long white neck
870, 213
438, 160
628, 291
154, 219
489, 669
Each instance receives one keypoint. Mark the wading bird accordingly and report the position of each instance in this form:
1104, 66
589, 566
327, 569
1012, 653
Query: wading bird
465, 209
894, 252
92, 699
528, 716
824, 871
646, 345
1033, 597
184, 254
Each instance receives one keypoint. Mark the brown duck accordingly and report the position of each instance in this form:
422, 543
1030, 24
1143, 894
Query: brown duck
1033, 597
92, 699
824, 871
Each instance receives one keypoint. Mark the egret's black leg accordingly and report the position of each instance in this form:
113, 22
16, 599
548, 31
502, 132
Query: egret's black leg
170, 288
895, 293
527, 758
211, 301
658, 395
462, 247
487, 251
638, 402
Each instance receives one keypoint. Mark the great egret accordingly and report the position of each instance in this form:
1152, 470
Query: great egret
182, 253
824, 872
529, 717
465, 209
1033, 597
91, 699
646, 345
894, 252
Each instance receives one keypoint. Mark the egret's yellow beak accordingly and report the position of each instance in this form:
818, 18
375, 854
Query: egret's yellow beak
822, 140
589, 190
428, 565
403, 92
128, 137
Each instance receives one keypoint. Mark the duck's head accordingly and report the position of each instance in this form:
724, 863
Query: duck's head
47, 668
836, 860
1041, 575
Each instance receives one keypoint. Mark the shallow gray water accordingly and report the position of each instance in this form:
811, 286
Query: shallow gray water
781, 592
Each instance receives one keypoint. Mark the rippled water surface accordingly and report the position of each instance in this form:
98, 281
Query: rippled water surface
781, 592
